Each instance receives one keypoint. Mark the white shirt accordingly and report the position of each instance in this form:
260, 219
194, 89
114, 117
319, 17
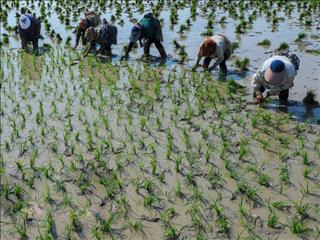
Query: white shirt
287, 82
220, 49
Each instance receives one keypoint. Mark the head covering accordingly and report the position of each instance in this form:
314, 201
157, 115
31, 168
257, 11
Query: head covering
275, 73
83, 23
135, 33
91, 34
24, 22
208, 47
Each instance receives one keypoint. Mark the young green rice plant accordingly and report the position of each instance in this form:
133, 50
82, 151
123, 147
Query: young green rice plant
272, 218
105, 225
222, 221
149, 201
21, 230
135, 225
301, 36
148, 185
169, 232
75, 221
284, 174
235, 45
243, 210
310, 98
178, 191
242, 65
264, 179
297, 226
183, 54
283, 46
302, 208
143, 123
167, 215
264, 43
96, 233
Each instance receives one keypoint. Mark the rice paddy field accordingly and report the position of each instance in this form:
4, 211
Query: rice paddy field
150, 149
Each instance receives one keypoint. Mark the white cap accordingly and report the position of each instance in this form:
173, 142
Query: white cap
24, 22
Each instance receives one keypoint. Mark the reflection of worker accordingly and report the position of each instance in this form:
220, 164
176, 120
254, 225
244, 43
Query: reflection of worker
149, 30
105, 35
90, 20
276, 74
29, 31
216, 47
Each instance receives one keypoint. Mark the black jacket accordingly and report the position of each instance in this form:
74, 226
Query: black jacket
33, 32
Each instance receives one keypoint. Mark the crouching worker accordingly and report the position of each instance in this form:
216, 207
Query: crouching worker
29, 31
149, 31
91, 19
276, 74
105, 35
216, 47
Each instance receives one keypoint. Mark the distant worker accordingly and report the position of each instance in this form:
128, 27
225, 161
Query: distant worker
91, 19
148, 30
105, 35
216, 47
29, 31
276, 74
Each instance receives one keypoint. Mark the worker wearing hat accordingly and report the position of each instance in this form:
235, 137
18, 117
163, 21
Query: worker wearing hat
276, 74
216, 47
91, 19
29, 28
149, 30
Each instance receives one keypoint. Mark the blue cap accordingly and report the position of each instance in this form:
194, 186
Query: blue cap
277, 66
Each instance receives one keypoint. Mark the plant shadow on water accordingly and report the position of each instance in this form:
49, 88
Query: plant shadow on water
298, 111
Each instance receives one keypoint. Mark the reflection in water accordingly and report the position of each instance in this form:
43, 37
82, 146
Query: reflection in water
297, 110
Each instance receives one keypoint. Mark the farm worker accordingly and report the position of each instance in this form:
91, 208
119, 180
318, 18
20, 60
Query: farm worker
149, 30
90, 20
29, 28
216, 47
105, 35
276, 74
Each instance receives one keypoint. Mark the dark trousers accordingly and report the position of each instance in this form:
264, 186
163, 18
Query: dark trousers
105, 49
222, 65
283, 95
158, 44
25, 42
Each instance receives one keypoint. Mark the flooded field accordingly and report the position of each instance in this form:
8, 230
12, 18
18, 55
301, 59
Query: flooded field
152, 150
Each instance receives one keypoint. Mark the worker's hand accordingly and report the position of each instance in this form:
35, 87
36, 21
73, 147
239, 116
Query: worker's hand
124, 57
259, 99
195, 67
210, 69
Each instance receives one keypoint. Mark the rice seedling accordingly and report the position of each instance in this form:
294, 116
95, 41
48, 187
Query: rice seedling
297, 226
242, 65
264, 43
310, 98
283, 46
301, 36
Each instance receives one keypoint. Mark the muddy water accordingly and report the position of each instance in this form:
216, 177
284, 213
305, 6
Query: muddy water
286, 31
